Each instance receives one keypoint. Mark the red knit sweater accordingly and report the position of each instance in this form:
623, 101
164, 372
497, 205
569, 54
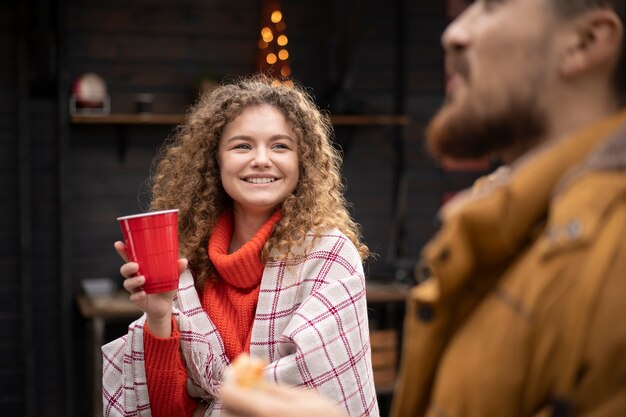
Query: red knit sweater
230, 301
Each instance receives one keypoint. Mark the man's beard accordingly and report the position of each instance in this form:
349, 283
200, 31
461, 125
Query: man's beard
476, 128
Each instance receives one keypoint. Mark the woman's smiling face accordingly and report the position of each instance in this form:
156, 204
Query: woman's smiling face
258, 159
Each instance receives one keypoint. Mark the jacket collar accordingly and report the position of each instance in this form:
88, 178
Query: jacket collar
611, 155
486, 227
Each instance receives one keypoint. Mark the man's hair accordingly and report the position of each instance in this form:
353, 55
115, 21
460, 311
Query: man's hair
569, 8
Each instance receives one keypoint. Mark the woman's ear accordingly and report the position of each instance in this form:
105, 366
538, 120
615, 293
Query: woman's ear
594, 42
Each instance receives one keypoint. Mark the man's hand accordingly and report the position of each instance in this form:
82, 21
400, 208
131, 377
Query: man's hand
276, 401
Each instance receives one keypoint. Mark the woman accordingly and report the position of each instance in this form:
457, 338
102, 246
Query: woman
274, 262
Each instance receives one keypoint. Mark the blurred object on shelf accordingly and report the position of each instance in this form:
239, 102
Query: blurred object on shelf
143, 103
89, 95
95, 287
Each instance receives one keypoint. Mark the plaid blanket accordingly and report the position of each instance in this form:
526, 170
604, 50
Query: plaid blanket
311, 326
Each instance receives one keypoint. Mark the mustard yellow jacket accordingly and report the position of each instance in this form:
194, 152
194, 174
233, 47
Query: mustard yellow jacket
525, 310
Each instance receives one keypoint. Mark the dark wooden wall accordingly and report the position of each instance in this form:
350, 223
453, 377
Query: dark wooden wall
63, 185
31, 348
11, 360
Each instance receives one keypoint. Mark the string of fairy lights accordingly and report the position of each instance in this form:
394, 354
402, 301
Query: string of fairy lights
273, 53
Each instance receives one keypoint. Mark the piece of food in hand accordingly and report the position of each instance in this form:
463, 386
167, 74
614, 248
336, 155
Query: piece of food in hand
246, 372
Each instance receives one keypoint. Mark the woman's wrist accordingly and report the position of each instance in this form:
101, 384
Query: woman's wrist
160, 326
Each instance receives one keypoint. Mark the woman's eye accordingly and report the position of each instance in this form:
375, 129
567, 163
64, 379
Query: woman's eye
280, 146
490, 4
242, 146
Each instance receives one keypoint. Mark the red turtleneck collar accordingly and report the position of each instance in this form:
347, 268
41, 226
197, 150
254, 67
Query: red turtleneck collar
230, 301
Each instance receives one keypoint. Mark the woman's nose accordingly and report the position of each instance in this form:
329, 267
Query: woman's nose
261, 158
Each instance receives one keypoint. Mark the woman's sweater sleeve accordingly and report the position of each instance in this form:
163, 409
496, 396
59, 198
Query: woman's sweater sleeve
166, 375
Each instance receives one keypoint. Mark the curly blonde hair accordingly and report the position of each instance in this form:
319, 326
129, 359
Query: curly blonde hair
186, 174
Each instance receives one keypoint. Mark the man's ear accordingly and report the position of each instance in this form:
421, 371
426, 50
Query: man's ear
594, 41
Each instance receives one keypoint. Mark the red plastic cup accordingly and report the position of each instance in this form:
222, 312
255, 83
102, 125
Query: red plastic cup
152, 241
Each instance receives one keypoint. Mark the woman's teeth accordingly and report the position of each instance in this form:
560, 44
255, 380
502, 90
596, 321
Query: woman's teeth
260, 180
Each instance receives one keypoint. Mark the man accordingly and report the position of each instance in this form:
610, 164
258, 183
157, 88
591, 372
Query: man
522, 312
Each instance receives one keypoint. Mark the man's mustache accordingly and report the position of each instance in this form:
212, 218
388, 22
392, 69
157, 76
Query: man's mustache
457, 64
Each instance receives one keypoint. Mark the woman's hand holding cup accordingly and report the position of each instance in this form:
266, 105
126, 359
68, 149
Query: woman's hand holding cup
157, 306
151, 242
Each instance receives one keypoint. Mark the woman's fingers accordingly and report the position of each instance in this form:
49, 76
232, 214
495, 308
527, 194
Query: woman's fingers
129, 269
138, 297
121, 250
182, 265
133, 284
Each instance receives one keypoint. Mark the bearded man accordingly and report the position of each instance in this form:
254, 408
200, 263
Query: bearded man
522, 314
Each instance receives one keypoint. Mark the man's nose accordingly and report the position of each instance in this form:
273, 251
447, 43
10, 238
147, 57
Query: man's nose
457, 35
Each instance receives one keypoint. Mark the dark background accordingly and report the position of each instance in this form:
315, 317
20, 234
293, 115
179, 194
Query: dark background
63, 184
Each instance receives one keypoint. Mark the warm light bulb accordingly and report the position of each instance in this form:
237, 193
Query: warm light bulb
283, 54
276, 16
266, 34
275, 83
271, 59
282, 40
285, 71
288, 83
262, 44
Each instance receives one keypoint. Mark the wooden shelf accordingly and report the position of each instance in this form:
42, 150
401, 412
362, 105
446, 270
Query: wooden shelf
387, 292
174, 119
370, 119
129, 119
107, 306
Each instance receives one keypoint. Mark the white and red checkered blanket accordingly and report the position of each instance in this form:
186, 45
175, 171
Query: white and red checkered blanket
311, 326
